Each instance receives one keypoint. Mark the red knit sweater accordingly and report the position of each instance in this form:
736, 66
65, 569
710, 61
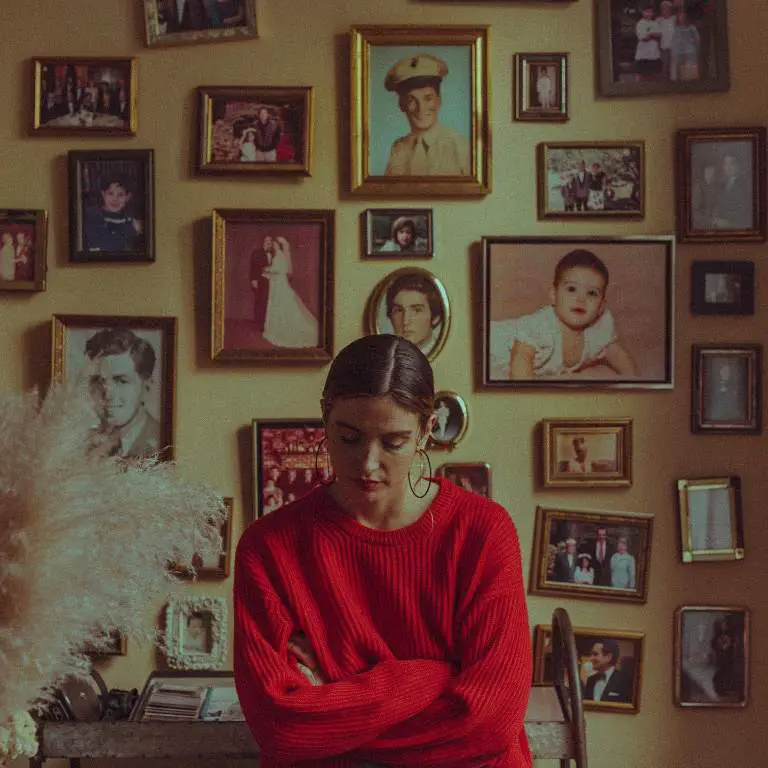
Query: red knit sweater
421, 632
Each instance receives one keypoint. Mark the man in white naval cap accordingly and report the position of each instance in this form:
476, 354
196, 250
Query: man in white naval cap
431, 148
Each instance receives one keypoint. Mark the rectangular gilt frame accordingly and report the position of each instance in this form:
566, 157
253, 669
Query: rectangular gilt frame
524, 111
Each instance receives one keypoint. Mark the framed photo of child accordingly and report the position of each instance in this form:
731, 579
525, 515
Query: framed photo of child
23, 250
541, 87
111, 205
591, 312
398, 233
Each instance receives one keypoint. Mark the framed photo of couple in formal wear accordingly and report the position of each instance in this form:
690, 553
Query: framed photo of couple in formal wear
272, 285
590, 554
720, 185
610, 666
419, 111
195, 634
399, 233
23, 250
471, 476
541, 87
723, 288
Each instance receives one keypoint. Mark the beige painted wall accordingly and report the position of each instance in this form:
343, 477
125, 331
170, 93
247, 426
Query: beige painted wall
303, 43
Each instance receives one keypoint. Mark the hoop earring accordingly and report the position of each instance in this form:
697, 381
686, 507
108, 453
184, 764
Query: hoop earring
423, 460
330, 477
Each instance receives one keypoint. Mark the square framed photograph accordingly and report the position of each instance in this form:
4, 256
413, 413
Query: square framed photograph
85, 96
112, 643
711, 524
289, 459
541, 87
604, 179
610, 665
711, 656
590, 554
127, 367
586, 453
400, 233
653, 47
723, 288
23, 250
111, 205
419, 111
195, 635
208, 564
168, 22
591, 312
720, 185
272, 285
256, 130
727, 389
471, 476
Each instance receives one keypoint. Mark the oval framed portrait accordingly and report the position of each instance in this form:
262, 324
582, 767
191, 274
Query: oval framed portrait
452, 419
410, 302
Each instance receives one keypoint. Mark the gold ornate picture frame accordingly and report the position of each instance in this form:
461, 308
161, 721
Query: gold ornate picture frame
541, 87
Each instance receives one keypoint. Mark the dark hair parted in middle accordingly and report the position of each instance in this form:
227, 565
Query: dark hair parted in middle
382, 365
580, 257
420, 283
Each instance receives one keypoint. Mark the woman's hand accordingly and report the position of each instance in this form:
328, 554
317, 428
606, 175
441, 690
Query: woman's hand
300, 647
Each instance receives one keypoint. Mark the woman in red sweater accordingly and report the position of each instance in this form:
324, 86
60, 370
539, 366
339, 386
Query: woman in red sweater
403, 594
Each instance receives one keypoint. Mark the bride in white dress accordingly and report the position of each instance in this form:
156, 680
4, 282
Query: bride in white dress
288, 322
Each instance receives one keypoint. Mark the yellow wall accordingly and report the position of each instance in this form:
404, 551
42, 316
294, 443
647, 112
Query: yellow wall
303, 43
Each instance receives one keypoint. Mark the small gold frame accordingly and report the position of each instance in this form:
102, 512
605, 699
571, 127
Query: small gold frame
12, 221
526, 109
444, 437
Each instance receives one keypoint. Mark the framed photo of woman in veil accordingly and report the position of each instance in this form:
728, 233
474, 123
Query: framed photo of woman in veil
272, 285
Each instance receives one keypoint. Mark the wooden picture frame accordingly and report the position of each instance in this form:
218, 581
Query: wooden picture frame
521, 312
398, 233
111, 205
209, 564
23, 249
727, 391
586, 453
386, 157
290, 457
710, 519
85, 96
720, 185
594, 648
624, 68
711, 656
410, 302
452, 420
141, 351
723, 288
567, 544
287, 316
162, 26
195, 635
472, 476
255, 131
541, 87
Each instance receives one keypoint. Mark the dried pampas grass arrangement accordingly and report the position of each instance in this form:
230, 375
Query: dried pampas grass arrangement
85, 542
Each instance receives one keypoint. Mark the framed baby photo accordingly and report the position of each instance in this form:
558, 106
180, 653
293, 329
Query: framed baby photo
593, 555
256, 130
661, 46
452, 420
103, 644
111, 205
398, 233
272, 285
135, 354
723, 288
23, 250
610, 664
410, 302
290, 458
195, 635
586, 453
471, 476
169, 22
541, 87
720, 185
85, 96
591, 312
591, 181
207, 563
727, 394
419, 123
711, 524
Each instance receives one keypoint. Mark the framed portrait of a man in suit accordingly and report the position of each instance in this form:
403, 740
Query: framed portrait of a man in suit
419, 124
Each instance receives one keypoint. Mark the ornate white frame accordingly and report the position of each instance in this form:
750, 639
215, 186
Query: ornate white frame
177, 611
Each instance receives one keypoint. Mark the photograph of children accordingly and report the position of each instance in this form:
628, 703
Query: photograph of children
711, 656
22, 250
196, 630
541, 87
475, 477
85, 95
188, 21
662, 46
451, 419
591, 181
560, 312
402, 233
610, 666
290, 459
722, 288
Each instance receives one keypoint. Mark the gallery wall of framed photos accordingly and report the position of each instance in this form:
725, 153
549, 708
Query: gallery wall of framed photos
199, 134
